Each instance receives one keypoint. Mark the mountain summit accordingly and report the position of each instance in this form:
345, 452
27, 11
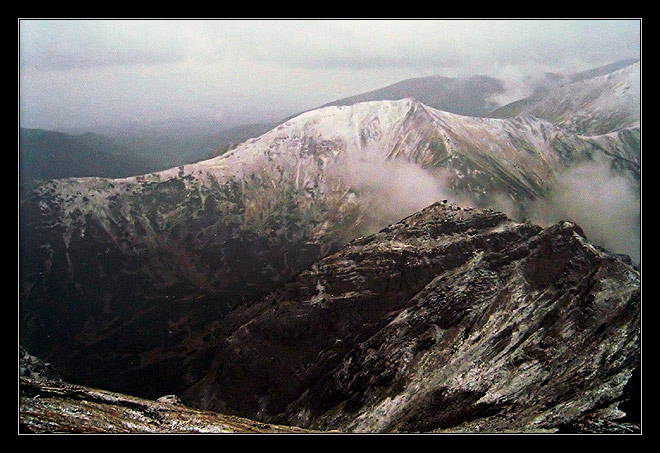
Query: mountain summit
464, 96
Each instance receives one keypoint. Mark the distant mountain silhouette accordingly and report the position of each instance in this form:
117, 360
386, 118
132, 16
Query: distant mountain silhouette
463, 96
52, 155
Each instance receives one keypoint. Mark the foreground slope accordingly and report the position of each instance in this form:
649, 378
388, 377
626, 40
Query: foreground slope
57, 407
452, 319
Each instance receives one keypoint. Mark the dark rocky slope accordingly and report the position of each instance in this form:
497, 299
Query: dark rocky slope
450, 320
116, 291
35, 368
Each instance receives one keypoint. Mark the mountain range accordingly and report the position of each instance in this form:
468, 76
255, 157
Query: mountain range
50, 155
588, 105
130, 149
451, 320
278, 282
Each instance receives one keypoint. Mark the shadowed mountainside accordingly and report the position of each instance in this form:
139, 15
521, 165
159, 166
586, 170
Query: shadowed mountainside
452, 320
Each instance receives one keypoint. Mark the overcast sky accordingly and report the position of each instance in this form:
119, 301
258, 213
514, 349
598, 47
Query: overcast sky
77, 74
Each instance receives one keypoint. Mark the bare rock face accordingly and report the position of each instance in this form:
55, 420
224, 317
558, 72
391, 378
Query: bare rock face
452, 320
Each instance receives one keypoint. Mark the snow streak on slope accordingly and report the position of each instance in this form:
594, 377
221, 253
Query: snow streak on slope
392, 158
592, 106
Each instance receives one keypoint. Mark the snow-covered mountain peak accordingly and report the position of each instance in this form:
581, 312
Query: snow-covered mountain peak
314, 149
316, 137
375, 117
386, 112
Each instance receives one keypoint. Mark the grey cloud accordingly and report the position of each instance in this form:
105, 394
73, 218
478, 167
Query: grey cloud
359, 61
606, 205
326, 44
78, 44
259, 65
78, 60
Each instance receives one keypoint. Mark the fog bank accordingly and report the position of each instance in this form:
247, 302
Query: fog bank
390, 189
606, 205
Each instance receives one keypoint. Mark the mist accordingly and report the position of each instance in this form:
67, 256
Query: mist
390, 189
606, 205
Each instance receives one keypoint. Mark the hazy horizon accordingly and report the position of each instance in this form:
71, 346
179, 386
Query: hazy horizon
78, 75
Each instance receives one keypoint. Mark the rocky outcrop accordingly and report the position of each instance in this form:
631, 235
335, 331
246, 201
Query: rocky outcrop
452, 320
35, 368
58, 407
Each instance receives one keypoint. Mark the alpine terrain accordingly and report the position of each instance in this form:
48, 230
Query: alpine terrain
373, 267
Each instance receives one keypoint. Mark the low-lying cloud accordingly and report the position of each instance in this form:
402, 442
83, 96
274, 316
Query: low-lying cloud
606, 205
390, 189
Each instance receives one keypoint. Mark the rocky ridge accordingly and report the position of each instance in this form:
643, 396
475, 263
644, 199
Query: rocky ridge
451, 320
587, 106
